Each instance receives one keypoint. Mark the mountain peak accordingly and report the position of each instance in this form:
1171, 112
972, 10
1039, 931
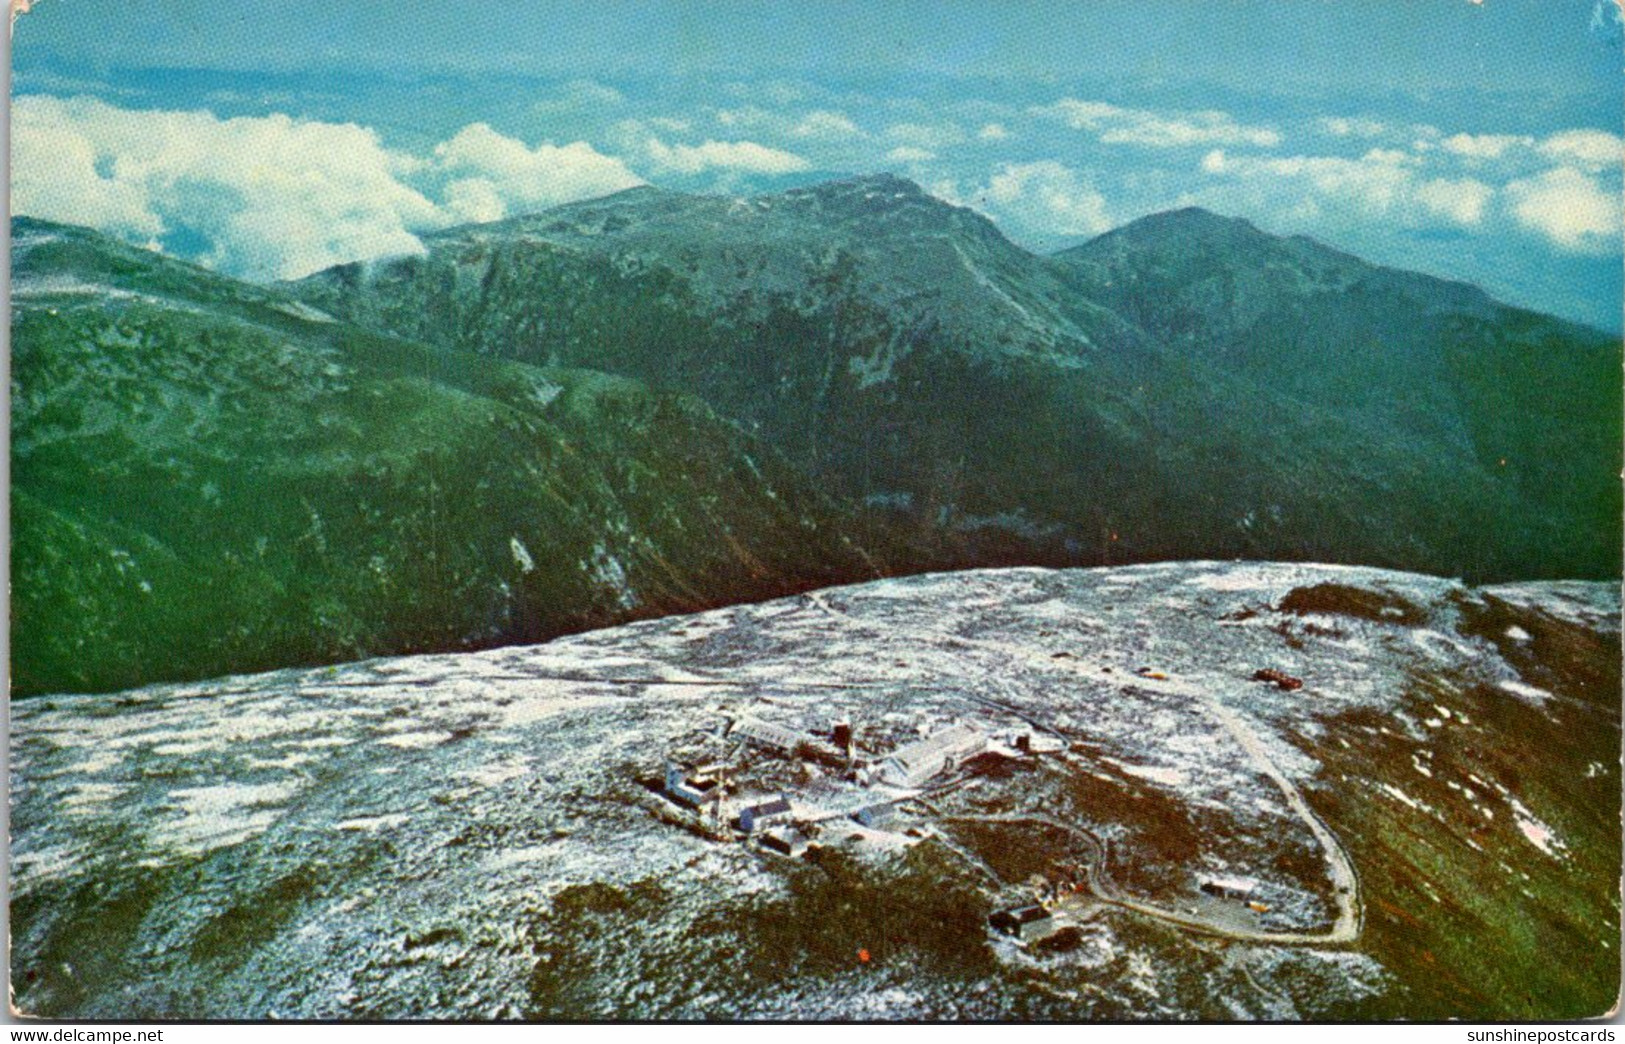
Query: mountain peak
1189, 224
861, 188
881, 204
882, 181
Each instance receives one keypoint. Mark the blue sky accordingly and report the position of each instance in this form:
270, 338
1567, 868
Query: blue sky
1479, 141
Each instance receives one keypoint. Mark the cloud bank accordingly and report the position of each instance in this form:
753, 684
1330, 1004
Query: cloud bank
274, 197
1115, 125
1045, 195
1563, 188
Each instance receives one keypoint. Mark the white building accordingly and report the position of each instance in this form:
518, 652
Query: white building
692, 790
761, 733
939, 752
1228, 886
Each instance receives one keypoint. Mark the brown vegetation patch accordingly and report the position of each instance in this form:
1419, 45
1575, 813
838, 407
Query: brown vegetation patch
1343, 600
1018, 851
1468, 915
1559, 656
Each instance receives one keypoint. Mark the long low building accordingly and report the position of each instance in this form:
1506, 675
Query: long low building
917, 763
760, 732
1025, 923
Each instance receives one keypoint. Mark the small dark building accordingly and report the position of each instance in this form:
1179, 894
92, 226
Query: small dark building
1023, 922
785, 841
842, 734
1280, 679
754, 817
878, 816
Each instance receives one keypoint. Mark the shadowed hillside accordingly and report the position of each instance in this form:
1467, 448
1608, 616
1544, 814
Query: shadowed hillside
208, 477
1184, 387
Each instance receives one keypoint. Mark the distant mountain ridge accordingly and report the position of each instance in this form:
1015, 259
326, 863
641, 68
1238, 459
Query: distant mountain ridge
210, 477
1185, 386
654, 403
1516, 399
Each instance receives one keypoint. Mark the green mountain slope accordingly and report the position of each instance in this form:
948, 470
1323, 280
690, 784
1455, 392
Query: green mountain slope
1103, 405
1517, 413
884, 341
209, 477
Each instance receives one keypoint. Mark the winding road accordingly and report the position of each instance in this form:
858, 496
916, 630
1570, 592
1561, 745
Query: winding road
1339, 867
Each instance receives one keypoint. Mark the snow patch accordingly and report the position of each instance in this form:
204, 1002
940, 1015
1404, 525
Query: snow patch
1538, 833
372, 823
521, 555
415, 740
1167, 776
1525, 692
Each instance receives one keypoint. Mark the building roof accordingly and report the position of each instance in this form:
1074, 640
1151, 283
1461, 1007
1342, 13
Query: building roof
1017, 919
940, 744
786, 839
1028, 914
762, 732
770, 808
1229, 883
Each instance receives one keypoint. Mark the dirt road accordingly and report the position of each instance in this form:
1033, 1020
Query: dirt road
1340, 869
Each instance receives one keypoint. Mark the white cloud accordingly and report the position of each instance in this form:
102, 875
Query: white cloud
1081, 115
910, 154
475, 200
1351, 127
1461, 201
725, 155
591, 91
748, 116
1591, 148
1383, 183
1046, 197
826, 125
55, 175
993, 132
580, 94
275, 197
501, 174
1569, 208
272, 195
926, 135
1392, 157
1484, 146
1115, 125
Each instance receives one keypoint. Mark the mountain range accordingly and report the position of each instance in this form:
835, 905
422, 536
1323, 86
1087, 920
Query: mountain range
657, 402
1184, 387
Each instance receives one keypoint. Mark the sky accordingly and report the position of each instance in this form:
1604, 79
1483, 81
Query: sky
1474, 140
